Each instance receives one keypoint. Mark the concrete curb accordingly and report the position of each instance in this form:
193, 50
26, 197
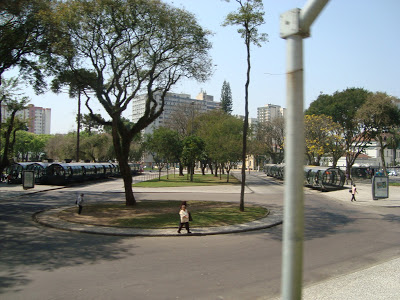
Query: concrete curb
50, 219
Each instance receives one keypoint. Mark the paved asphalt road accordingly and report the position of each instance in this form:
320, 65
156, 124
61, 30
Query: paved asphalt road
37, 262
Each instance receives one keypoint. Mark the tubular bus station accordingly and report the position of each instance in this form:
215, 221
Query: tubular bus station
66, 173
323, 178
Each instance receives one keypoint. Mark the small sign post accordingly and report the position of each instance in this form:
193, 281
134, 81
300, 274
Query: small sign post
380, 187
28, 179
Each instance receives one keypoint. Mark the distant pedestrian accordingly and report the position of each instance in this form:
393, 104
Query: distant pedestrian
79, 203
184, 218
347, 178
353, 193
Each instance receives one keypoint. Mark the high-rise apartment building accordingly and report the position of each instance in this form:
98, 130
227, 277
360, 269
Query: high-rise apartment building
38, 118
269, 112
172, 102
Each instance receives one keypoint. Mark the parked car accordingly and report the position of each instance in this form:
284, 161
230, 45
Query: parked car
392, 173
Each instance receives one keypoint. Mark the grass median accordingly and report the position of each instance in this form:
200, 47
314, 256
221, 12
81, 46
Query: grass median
164, 214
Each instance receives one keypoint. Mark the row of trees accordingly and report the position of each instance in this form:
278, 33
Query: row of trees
214, 138
95, 145
345, 123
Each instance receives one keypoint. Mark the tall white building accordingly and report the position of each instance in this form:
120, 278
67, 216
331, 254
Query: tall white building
172, 102
38, 118
269, 112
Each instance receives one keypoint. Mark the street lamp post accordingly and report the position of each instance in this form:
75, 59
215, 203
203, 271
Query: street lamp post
295, 25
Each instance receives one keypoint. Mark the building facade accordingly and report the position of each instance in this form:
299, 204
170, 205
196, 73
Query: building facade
38, 118
172, 102
270, 111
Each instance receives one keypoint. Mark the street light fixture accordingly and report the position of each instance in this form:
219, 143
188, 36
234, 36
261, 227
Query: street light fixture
295, 25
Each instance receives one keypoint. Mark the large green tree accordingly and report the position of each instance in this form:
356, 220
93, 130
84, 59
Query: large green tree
342, 107
133, 47
249, 16
379, 116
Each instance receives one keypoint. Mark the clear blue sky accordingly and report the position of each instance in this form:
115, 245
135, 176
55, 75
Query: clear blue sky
353, 43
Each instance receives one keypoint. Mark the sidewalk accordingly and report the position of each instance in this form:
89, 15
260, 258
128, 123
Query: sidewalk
364, 195
380, 282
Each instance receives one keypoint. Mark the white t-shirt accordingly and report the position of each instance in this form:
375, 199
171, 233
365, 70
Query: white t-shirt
184, 215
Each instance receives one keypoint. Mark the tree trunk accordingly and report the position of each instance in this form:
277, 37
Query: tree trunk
122, 141
79, 126
203, 168
245, 123
382, 152
8, 144
181, 169
127, 177
191, 171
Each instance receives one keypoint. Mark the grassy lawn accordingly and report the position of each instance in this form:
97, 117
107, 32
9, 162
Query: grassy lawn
181, 181
394, 183
164, 214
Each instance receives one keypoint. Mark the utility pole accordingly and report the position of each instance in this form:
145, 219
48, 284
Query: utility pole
295, 25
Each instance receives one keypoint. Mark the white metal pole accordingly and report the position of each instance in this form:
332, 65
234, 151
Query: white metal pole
310, 12
295, 26
292, 256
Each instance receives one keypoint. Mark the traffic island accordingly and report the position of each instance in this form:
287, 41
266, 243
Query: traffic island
159, 218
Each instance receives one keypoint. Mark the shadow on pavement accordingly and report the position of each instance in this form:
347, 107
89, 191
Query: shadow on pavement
319, 223
25, 244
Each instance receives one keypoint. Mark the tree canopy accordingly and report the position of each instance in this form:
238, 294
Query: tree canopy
379, 116
24, 39
342, 107
134, 47
222, 135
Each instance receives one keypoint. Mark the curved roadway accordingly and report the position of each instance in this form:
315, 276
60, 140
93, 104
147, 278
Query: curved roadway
38, 262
